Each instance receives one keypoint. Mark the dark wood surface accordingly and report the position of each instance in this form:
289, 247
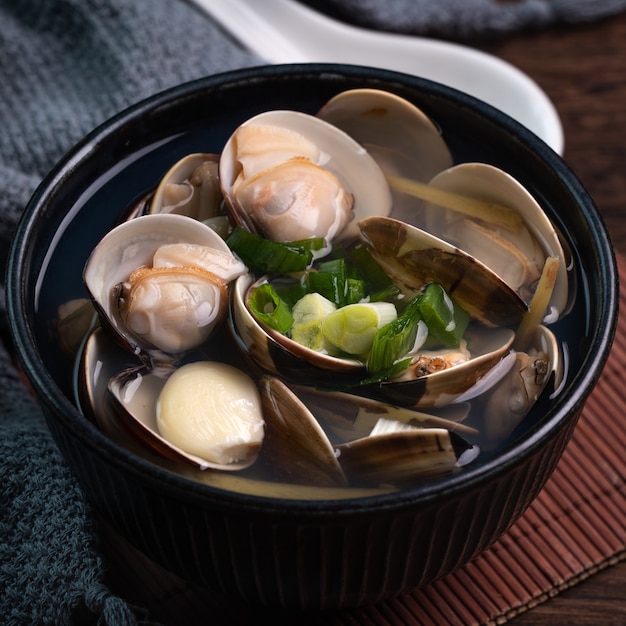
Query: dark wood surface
583, 71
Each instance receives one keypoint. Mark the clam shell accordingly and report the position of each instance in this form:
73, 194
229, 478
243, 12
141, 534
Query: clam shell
135, 392
131, 245
402, 456
533, 241
277, 354
539, 368
100, 360
488, 347
401, 138
337, 152
296, 448
399, 135
346, 416
412, 258
300, 448
190, 187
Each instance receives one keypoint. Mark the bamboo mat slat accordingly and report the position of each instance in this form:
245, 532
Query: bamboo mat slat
575, 527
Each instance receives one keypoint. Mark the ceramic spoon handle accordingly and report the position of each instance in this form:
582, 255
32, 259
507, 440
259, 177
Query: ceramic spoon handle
267, 28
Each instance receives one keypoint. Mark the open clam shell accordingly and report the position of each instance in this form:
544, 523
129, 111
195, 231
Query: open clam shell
441, 388
346, 416
207, 266
302, 450
399, 135
266, 197
190, 187
413, 257
401, 138
276, 353
405, 455
516, 253
540, 366
296, 447
136, 392
100, 360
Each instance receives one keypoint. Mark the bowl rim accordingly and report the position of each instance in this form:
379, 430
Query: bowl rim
428, 491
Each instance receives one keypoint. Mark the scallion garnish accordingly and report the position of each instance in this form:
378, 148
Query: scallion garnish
270, 309
262, 255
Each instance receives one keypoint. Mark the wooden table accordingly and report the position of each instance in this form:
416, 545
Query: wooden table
583, 71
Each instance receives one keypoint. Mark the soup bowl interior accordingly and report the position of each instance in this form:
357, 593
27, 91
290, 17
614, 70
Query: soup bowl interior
274, 544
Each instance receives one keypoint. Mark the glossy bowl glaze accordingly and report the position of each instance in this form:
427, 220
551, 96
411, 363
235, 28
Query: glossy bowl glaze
276, 548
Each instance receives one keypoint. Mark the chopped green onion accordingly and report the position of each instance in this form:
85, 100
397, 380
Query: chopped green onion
356, 291
314, 244
352, 328
396, 339
308, 315
370, 270
446, 320
331, 279
386, 374
270, 309
262, 255
325, 284
291, 291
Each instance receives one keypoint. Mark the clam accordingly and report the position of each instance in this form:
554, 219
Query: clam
190, 187
289, 176
398, 456
515, 251
520, 387
73, 322
296, 448
277, 354
413, 257
99, 361
451, 374
400, 453
434, 377
205, 413
399, 135
159, 282
346, 416
401, 138
124, 398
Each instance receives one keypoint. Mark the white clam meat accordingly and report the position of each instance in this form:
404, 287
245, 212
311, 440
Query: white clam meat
165, 306
172, 309
288, 176
211, 410
216, 426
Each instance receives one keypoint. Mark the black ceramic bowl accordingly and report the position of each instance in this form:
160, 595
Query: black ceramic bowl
275, 550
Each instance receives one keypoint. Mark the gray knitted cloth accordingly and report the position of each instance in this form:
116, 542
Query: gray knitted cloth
66, 66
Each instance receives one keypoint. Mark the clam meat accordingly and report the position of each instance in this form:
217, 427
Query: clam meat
289, 176
160, 283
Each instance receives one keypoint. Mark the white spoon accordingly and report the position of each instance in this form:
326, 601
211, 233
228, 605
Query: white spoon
284, 31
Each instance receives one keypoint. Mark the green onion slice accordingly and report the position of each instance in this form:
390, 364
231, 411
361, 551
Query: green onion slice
270, 309
262, 255
445, 319
396, 339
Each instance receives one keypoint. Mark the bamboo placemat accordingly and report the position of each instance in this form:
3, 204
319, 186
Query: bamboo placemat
575, 527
